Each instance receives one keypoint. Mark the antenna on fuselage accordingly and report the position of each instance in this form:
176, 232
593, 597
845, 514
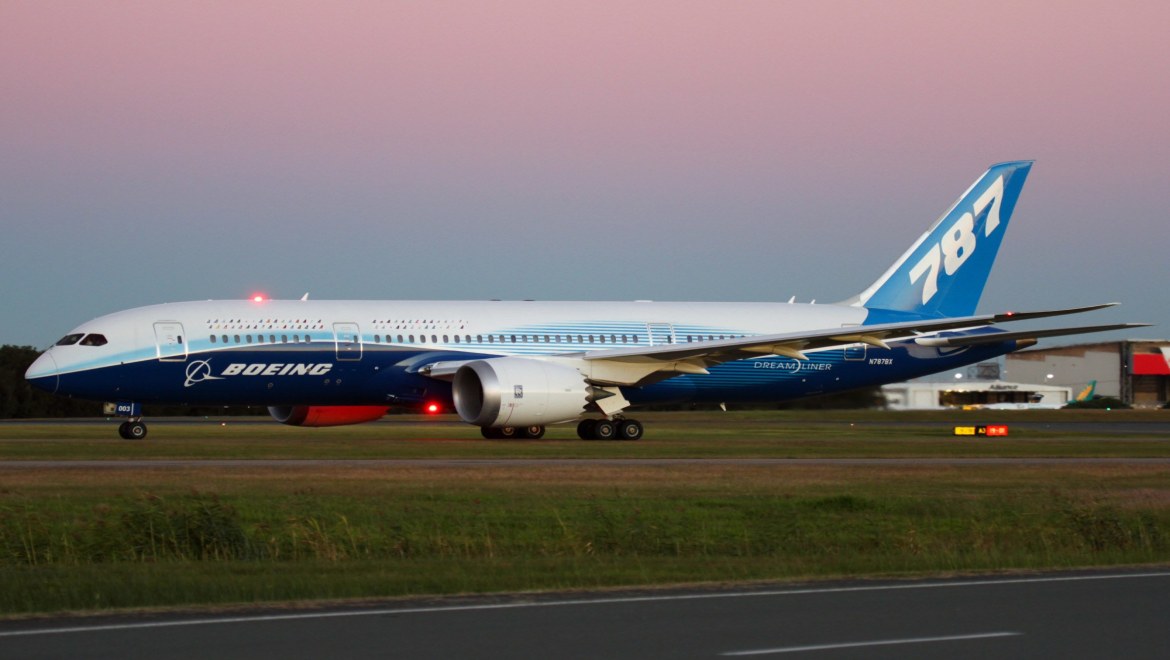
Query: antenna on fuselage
306, 296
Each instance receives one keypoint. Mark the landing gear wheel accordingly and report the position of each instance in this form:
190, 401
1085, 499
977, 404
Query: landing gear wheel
604, 430
629, 429
505, 432
585, 429
132, 430
534, 432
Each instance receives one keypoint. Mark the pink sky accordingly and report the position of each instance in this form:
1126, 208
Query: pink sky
654, 134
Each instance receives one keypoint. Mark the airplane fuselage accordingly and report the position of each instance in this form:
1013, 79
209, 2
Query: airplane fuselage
515, 367
370, 352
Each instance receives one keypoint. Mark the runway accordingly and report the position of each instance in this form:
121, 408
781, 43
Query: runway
1093, 614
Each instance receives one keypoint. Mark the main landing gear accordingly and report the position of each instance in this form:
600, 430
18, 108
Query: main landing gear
513, 432
587, 429
134, 429
604, 429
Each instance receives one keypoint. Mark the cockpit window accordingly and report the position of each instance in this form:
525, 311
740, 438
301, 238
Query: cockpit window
69, 340
94, 339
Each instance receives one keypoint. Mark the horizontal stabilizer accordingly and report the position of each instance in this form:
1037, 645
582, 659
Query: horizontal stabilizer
1024, 316
997, 337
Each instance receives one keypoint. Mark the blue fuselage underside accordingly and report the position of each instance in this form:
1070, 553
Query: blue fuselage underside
284, 375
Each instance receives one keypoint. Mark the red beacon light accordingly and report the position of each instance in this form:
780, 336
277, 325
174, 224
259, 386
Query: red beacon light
259, 297
433, 409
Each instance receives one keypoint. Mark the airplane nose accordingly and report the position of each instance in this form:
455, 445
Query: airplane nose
42, 373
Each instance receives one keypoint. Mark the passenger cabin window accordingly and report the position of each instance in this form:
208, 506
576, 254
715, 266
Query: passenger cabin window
94, 340
69, 340
213, 339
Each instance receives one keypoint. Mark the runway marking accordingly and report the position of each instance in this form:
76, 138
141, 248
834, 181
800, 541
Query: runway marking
618, 600
880, 642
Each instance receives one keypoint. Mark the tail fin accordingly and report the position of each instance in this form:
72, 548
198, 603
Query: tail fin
944, 272
1087, 393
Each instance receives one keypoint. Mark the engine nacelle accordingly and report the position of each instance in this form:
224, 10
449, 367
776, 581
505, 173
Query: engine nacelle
326, 415
518, 392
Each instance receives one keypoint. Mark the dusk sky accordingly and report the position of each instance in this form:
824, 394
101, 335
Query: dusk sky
163, 151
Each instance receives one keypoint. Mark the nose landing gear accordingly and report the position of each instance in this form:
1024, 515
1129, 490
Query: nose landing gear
132, 430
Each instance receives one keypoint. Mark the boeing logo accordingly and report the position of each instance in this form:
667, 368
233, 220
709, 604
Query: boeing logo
200, 370
277, 369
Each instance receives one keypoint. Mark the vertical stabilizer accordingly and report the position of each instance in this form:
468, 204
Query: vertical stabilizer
944, 272
1087, 393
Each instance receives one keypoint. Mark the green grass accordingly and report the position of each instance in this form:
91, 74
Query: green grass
76, 539
802, 434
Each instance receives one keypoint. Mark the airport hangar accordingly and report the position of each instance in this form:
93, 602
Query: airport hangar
1136, 371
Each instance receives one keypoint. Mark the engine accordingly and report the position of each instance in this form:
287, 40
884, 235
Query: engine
326, 415
518, 392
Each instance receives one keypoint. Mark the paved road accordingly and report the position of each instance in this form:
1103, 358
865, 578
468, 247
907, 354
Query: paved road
1086, 615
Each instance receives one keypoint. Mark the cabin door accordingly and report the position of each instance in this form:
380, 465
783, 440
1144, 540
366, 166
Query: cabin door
171, 343
660, 333
348, 340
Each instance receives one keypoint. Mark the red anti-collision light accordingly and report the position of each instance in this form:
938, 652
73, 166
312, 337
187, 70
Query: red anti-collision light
433, 409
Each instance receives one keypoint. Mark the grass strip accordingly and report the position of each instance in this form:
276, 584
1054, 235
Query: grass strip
199, 536
754, 434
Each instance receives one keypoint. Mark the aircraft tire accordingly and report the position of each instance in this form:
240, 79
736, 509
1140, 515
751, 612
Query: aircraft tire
122, 430
604, 430
489, 433
629, 429
585, 429
533, 432
135, 431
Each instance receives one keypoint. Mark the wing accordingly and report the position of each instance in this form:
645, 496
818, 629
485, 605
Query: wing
795, 345
640, 365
